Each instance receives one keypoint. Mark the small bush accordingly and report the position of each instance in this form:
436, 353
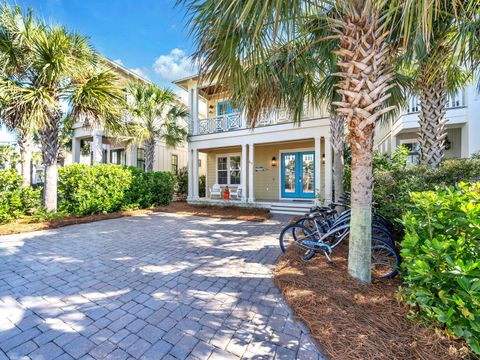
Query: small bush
85, 189
441, 259
182, 183
15, 201
201, 186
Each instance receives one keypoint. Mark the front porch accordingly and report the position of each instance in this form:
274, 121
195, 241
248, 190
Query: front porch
283, 176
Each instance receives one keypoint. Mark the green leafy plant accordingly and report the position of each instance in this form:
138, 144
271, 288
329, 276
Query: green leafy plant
182, 183
85, 189
441, 263
201, 185
15, 200
105, 188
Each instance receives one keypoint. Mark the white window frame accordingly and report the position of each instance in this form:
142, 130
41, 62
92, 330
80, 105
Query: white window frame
228, 156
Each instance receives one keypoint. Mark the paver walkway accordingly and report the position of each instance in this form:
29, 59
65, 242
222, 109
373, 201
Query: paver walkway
146, 287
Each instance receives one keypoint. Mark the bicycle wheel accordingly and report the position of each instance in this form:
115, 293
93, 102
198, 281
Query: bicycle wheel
296, 234
382, 233
385, 260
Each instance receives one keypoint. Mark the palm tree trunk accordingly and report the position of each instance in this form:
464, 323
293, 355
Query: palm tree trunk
49, 136
433, 99
337, 135
25, 144
364, 79
149, 154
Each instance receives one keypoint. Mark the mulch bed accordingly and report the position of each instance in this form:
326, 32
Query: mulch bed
351, 320
220, 212
233, 213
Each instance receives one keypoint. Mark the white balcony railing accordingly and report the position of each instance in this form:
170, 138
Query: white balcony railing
221, 123
237, 120
456, 100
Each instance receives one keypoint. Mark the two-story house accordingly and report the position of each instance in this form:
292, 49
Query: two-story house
463, 127
91, 145
277, 164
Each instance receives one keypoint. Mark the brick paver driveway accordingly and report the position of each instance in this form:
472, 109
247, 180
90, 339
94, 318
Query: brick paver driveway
150, 287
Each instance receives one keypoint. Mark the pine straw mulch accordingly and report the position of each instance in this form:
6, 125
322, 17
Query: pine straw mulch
351, 320
220, 212
26, 224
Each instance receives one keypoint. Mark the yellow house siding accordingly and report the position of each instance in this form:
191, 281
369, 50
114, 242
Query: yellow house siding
267, 183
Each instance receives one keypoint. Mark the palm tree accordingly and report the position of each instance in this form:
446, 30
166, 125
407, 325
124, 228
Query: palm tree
16, 30
439, 69
62, 67
154, 118
234, 36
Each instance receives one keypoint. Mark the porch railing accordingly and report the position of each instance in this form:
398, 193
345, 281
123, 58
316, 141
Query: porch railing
456, 100
237, 120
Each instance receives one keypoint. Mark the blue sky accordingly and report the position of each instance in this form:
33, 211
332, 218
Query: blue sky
149, 36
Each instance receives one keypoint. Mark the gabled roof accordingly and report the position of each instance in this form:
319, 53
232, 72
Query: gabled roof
126, 71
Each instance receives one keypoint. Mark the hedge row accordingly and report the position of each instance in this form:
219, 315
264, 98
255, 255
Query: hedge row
85, 189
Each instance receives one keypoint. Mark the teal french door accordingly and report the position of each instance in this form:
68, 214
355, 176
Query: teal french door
298, 175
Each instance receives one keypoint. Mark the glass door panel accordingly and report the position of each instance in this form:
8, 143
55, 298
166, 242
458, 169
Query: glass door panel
308, 164
298, 175
289, 174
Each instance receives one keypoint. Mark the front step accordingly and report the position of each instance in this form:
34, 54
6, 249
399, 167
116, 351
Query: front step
291, 208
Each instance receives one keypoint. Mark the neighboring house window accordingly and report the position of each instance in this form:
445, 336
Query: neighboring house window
175, 164
414, 152
141, 159
118, 157
228, 170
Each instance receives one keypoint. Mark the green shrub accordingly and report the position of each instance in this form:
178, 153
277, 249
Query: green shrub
441, 263
202, 186
15, 201
182, 183
85, 189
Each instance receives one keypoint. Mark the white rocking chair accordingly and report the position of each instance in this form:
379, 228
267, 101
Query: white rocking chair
237, 193
216, 190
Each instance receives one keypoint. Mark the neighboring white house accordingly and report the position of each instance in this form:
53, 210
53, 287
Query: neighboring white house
95, 144
6, 137
278, 165
463, 127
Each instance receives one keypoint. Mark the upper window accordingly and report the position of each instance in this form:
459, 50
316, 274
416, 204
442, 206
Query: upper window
414, 152
228, 170
225, 107
174, 168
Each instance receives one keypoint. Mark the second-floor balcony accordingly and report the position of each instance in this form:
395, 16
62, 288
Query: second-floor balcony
238, 120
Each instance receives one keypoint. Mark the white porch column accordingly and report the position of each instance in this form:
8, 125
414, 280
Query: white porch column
328, 170
251, 172
318, 167
195, 174
97, 147
190, 175
75, 150
193, 108
243, 172
190, 112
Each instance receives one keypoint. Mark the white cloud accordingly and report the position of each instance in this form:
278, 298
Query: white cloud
174, 66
